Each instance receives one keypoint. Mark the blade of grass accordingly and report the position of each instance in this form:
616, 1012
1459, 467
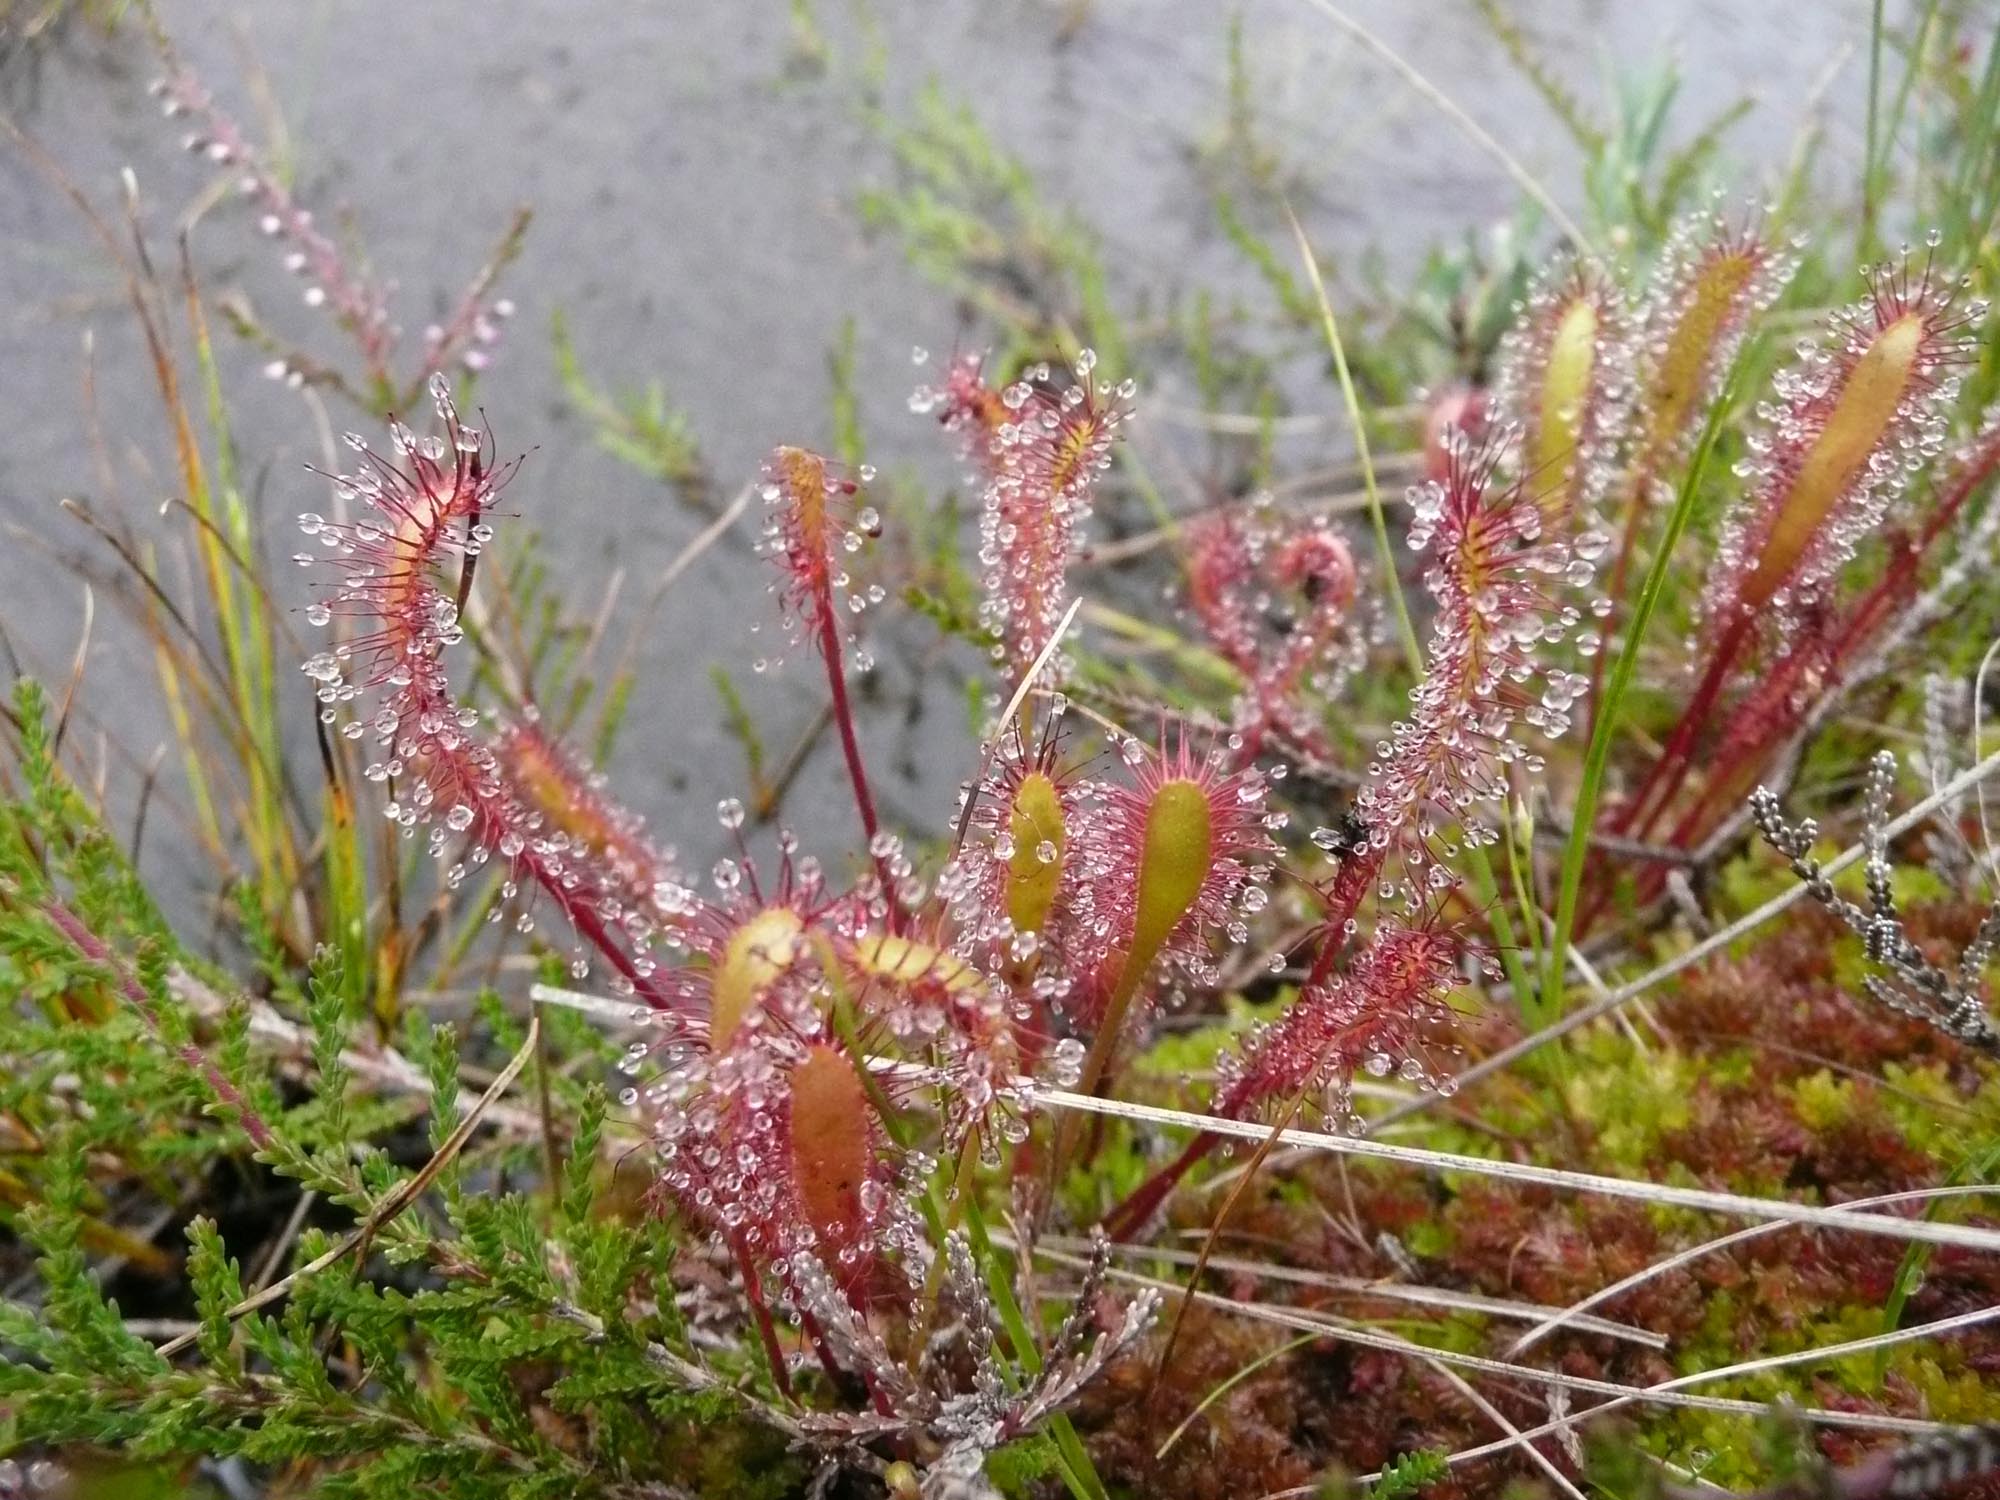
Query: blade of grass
1976, 1168
1547, 1004
1975, 153
1371, 1290
1870, 181
1485, 887
1520, 839
1892, 124
244, 627
1196, 661
346, 915
1384, 550
193, 764
1477, 133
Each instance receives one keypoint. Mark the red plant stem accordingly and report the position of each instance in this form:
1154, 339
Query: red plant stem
1129, 1217
96, 951
1343, 900
1901, 573
591, 926
831, 1365
1727, 789
1635, 515
1867, 619
850, 745
579, 914
1671, 769
1874, 611
753, 1290
1357, 872
1870, 615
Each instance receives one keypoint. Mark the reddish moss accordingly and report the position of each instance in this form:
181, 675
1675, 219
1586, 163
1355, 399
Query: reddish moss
1257, 1438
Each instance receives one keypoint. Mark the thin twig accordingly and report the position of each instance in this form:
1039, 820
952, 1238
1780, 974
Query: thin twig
281, 1244
1572, 1316
1386, 1291
1385, 550
400, 1198
1007, 720
1668, 1393
387, 1068
1714, 943
1705, 1199
77, 664
707, 537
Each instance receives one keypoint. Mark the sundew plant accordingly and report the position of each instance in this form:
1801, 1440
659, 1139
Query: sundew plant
1489, 990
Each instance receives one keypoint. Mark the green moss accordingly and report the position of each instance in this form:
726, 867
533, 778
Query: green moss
1940, 1119
1629, 1100
1428, 1239
1822, 1101
1949, 1392
1177, 1056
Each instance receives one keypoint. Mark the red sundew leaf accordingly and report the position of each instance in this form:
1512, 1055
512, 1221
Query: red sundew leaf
833, 1150
1714, 279
426, 507
1040, 445
1853, 418
1275, 597
572, 801
1564, 378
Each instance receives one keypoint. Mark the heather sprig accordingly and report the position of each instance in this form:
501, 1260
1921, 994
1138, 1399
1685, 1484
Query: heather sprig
1952, 1000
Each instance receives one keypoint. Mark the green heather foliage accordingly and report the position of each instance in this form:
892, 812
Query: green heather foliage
471, 1337
453, 1140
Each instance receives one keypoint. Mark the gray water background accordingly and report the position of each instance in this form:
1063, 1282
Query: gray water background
694, 190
